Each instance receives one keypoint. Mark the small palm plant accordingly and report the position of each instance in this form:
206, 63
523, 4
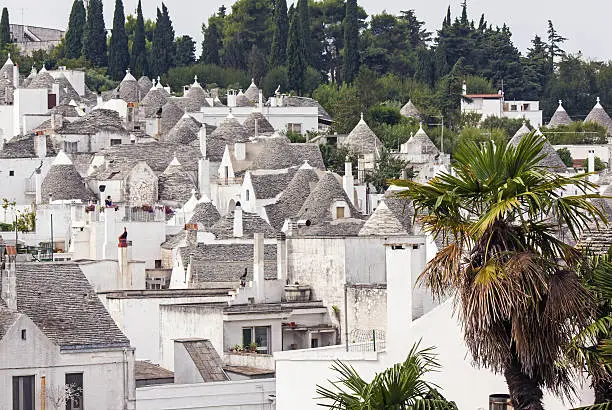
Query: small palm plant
400, 387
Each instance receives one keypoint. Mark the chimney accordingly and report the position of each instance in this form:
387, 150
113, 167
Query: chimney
399, 298
281, 257
240, 151
348, 182
99, 100
57, 121
16, 76
204, 176
591, 161
260, 104
231, 98
238, 229
202, 138
258, 267
9, 279
464, 88
40, 144
124, 256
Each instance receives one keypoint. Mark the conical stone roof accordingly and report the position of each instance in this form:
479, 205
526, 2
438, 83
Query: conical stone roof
276, 154
409, 110
362, 139
317, 207
551, 161
263, 125
560, 117
185, 131
599, 116
170, 116
205, 215
293, 197
252, 93
421, 143
42, 80
175, 184
129, 90
154, 100
63, 182
145, 85
243, 101
196, 97
231, 131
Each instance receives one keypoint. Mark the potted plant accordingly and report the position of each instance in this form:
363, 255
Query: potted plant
253, 348
90, 208
147, 208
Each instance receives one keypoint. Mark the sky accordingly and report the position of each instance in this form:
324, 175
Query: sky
585, 23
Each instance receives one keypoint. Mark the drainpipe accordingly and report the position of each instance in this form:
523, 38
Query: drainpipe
346, 333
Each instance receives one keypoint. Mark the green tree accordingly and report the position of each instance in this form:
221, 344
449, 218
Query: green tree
73, 43
211, 46
162, 49
278, 54
388, 167
5, 28
94, 35
516, 283
402, 386
554, 44
566, 157
350, 67
303, 12
185, 51
118, 55
296, 64
138, 60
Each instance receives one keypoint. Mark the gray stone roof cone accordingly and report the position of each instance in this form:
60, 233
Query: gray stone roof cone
599, 116
551, 161
362, 139
560, 117
63, 182
409, 110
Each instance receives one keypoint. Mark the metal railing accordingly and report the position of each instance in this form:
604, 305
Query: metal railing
370, 340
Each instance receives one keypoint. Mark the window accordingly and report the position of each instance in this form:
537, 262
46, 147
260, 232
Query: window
297, 128
74, 391
526, 107
340, 212
115, 141
158, 263
513, 107
70, 147
23, 334
11, 173
23, 393
314, 343
247, 194
259, 335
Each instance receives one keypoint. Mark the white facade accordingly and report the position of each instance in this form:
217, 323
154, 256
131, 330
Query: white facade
307, 118
494, 105
108, 375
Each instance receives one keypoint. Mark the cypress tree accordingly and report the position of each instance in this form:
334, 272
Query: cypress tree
118, 55
5, 28
74, 35
138, 61
278, 54
351, 42
94, 36
296, 65
162, 51
304, 16
211, 45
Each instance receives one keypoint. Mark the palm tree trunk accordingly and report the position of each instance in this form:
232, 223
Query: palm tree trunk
525, 392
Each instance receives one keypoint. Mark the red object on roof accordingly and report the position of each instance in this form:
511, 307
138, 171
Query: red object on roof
484, 96
11, 250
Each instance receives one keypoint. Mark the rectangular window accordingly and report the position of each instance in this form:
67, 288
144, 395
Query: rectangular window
158, 263
115, 141
340, 212
71, 147
297, 128
74, 391
11, 173
314, 343
259, 335
513, 107
23, 393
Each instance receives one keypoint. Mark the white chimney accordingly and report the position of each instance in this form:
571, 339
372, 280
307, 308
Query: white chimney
40, 145
238, 230
202, 138
16, 76
281, 257
9, 282
464, 88
399, 298
348, 182
204, 176
591, 161
124, 256
260, 104
258, 268
231, 98
240, 151
99, 100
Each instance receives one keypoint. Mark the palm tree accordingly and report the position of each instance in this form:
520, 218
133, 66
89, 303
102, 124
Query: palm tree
591, 348
514, 280
400, 387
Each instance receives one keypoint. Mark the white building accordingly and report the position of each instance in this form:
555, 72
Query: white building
54, 332
495, 105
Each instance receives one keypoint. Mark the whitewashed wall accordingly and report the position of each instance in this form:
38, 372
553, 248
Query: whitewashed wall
233, 395
14, 187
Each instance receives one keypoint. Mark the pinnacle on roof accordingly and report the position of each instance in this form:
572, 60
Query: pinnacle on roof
551, 159
409, 110
362, 139
599, 116
306, 165
8, 60
252, 93
128, 76
174, 163
521, 132
158, 85
195, 82
560, 117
